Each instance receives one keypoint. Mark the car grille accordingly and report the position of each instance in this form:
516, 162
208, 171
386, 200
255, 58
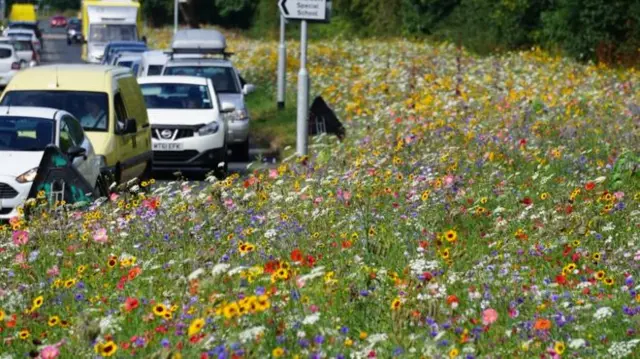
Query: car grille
5, 210
182, 132
7, 191
174, 156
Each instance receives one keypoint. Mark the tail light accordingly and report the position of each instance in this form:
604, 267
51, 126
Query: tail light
15, 66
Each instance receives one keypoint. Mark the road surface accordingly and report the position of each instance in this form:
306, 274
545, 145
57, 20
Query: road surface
56, 51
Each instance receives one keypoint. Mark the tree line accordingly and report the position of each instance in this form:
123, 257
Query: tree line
602, 30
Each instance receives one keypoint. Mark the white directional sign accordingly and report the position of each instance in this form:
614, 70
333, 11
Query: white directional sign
312, 10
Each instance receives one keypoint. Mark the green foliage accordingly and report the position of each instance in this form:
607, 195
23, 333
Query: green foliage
585, 29
588, 29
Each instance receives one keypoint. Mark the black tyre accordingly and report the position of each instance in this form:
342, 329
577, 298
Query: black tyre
240, 151
102, 187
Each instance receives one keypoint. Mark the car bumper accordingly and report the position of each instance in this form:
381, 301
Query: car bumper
198, 153
6, 77
238, 131
12, 195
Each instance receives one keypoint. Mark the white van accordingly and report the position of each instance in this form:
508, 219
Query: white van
152, 62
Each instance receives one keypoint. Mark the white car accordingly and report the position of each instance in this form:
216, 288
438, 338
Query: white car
24, 49
24, 134
213, 63
9, 64
152, 62
25, 32
126, 59
188, 126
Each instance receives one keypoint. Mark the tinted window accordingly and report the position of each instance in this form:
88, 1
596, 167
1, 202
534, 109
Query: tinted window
65, 137
125, 64
154, 70
112, 32
25, 133
223, 78
176, 96
5, 53
91, 108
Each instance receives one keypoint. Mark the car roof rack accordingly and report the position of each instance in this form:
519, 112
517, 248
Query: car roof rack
206, 42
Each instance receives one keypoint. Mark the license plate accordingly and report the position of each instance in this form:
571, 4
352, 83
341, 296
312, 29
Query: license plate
167, 146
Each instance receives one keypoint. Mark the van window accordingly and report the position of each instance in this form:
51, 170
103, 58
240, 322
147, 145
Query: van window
5, 53
121, 111
91, 108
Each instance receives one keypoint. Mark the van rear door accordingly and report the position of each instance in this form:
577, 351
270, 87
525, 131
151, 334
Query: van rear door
136, 109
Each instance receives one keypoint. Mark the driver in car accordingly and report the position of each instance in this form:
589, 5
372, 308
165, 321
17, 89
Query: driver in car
95, 118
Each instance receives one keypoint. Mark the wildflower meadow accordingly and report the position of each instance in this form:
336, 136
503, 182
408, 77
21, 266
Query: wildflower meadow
479, 207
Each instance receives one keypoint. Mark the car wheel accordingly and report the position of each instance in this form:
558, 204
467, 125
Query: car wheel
148, 172
241, 151
221, 171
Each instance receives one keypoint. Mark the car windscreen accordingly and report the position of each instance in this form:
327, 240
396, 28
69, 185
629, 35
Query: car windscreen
154, 70
18, 133
223, 78
5, 53
125, 63
112, 32
176, 96
91, 108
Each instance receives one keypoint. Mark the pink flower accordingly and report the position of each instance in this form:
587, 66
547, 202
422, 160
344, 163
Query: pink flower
619, 195
49, 352
100, 235
346, 196
53, 271
273, 173
113, 197
20, 258
20, 238
489, 316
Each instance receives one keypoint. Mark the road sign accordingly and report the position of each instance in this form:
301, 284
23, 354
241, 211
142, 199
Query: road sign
311, 10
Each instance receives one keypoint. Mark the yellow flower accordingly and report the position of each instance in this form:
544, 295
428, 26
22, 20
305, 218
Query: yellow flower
53, 321
277, 352
363, 335
37, 303
106, 349
69, 283
451, 235
559, 348
395, 304
196, 326
609, 281
2, 315
81, 269
348, 342
231, 310
24, 334
453, 353
160, 309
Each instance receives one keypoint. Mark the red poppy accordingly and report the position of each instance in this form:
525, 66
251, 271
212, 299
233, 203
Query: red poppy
134, 272
569, 209
589, 186
310, 261
131, 304
527, 201
296, 255
271, 266
346, 244
426, 276
560, 279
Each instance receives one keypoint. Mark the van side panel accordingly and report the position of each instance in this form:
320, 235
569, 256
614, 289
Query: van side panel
136, 109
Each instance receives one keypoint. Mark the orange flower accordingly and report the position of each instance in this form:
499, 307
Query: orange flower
542, 324
134, 272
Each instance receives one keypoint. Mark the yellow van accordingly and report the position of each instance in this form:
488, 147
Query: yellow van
23, 12
108, 103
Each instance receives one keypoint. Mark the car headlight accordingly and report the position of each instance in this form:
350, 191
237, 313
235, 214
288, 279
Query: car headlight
209, 129
28, 176
237, 115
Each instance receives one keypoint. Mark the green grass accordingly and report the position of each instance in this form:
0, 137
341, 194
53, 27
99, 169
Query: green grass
269, 126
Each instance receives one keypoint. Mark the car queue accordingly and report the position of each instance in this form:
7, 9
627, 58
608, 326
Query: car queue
182, 109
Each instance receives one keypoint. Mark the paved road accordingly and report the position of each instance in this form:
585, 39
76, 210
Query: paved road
56, 51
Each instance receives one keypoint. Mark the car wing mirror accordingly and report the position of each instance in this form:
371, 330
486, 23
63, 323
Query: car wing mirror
130, 126
248, 88
227, 107
76, 151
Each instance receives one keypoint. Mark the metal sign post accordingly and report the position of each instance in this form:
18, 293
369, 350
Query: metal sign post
175, 16
304, 10
282, 64
303, 94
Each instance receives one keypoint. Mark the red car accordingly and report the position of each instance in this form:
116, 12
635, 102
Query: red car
58, 21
